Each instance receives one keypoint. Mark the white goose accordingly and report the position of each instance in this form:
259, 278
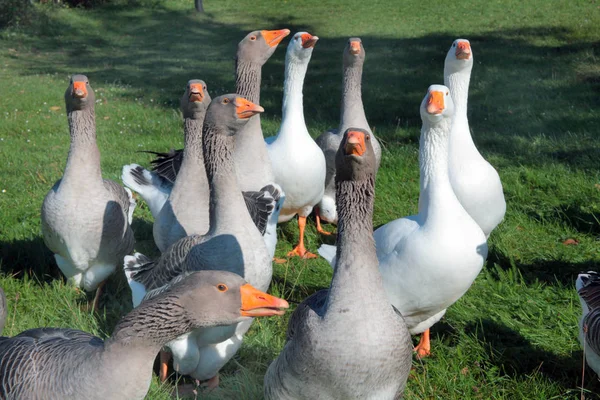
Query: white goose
298, 163
588, 289
429, 260
475, 182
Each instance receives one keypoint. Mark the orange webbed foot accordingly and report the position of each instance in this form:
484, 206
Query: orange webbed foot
423, 349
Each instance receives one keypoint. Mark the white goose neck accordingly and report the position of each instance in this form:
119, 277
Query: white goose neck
292, 109
436, 191
458, 83
352, 110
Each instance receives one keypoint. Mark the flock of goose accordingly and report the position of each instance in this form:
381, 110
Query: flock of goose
216, 205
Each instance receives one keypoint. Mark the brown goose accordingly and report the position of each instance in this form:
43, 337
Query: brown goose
347, 342
85, 219
232, 243
71, 364
352, 114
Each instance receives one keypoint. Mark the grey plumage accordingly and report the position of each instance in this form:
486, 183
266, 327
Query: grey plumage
261, 204
52, 363
167, 165
85, 219
186, 210
346, 342
232, 243
352, 114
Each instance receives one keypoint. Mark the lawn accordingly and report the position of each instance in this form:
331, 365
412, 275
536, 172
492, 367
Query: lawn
534, 112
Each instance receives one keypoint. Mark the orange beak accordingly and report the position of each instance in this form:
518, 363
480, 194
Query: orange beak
259, 304
79, 89
196, 93
274, 37
463, 51
354, 47
308, 40
435, 103
246, 109
355, 143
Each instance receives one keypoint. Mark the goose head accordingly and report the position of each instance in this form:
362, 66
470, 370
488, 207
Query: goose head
459, 57
79, 94
301, 46
222, 298
355, 159
354, 53
232, 112
437, 105
195, 100
258, 46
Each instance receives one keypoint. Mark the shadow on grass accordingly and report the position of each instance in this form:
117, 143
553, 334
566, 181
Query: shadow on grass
517, 357
547, 271
519, 89
31, 257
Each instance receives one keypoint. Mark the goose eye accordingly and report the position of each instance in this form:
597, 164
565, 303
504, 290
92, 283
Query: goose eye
453, 44
222, 287
225, 100
446, 93
368, 137
252, 37
204, 88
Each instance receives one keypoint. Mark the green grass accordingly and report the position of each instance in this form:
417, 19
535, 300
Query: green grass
534, 112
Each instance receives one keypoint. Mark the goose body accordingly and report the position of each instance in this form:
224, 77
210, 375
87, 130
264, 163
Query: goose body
429, 260
86, 219
474, 181
588, 289
298, 162
232, 243
346, 342
352, 114
69, 364
186, 210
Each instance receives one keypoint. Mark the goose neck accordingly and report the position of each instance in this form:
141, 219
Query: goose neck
83, 160
352, 110
149, 326
295, 71
458, 83
435, 188
192, 151
226, 199
356, 278
247, 80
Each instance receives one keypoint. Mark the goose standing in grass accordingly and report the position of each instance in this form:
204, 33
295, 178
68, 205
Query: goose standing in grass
588, 288
86, 219
298, 163
186, 210
347, 342
352, 114
233, 243
429, 260
71, 364
475, 182
187, 199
